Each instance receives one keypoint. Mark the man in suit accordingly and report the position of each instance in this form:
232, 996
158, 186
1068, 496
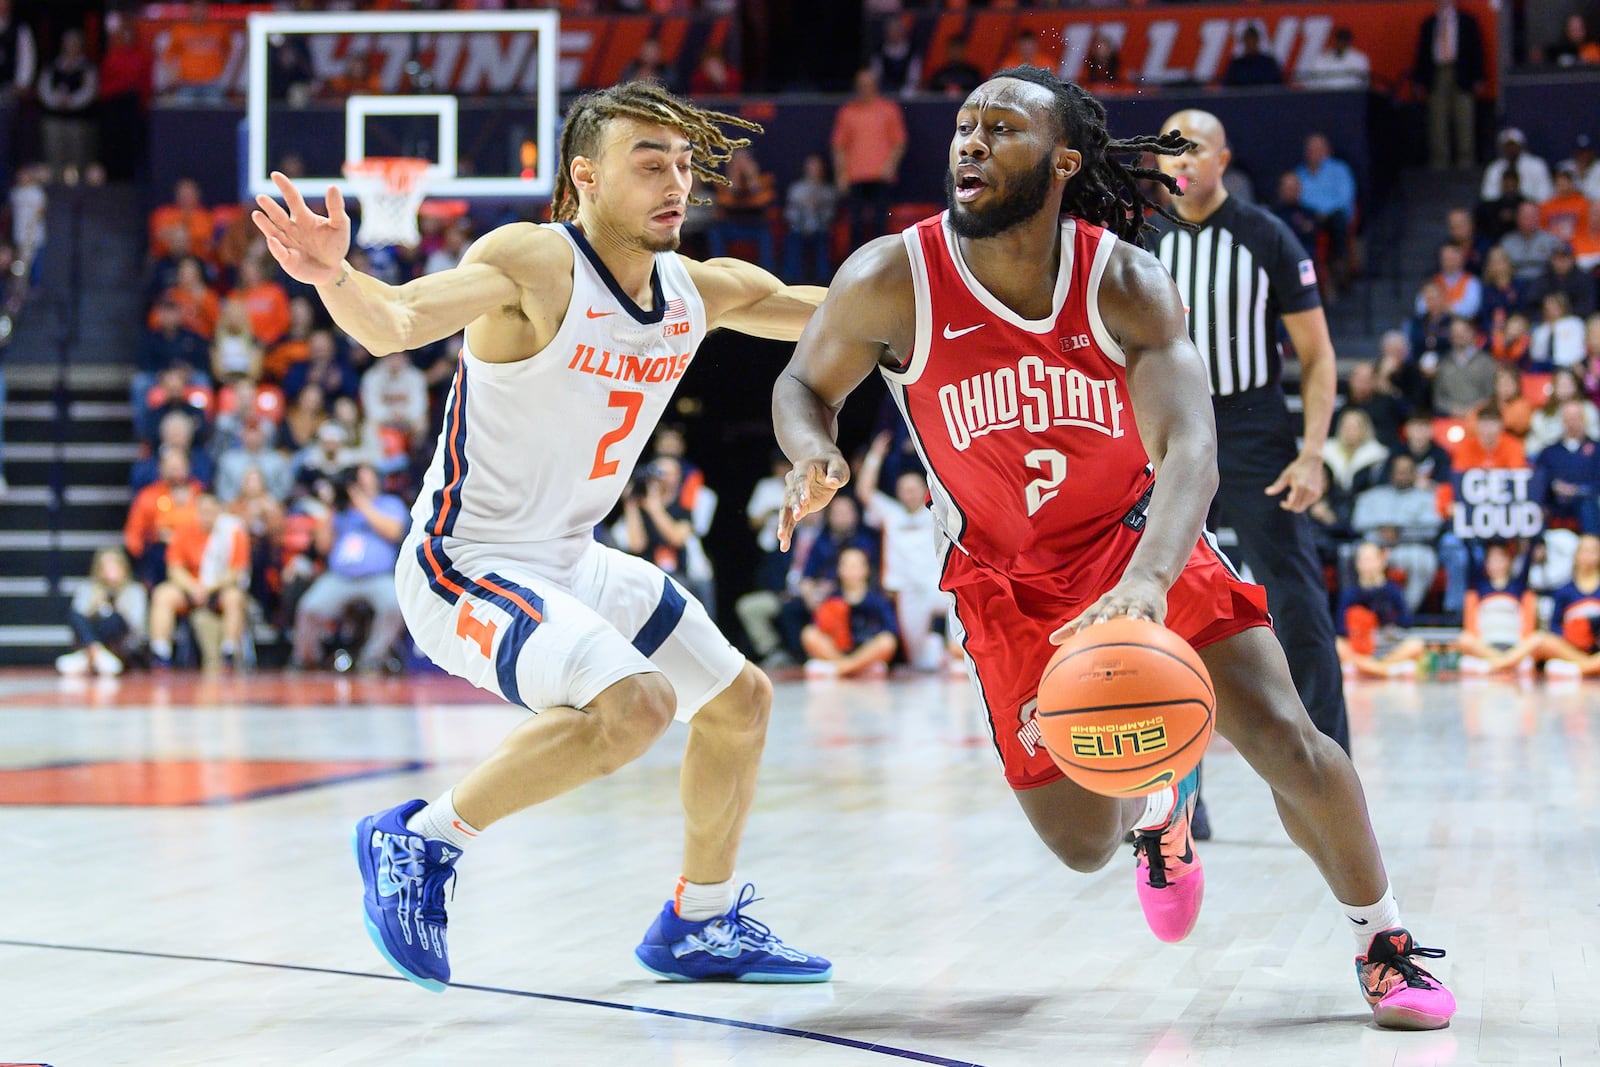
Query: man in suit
1449, 69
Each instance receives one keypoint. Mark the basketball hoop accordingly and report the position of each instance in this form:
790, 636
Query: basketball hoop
390, 190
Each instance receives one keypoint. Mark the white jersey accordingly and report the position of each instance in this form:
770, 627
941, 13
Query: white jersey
534, 454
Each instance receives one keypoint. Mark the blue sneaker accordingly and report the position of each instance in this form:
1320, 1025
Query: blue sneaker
729, 948
405, 875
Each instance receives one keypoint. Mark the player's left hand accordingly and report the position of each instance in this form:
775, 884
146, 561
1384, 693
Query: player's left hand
1305, 481
1135, 597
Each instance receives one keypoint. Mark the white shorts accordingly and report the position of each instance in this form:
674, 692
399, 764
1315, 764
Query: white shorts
544, 637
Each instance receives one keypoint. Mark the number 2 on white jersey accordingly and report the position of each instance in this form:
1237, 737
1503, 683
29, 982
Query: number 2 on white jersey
630, 401
1053, 466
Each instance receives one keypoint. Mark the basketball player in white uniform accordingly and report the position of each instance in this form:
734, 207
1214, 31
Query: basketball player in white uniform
576, 335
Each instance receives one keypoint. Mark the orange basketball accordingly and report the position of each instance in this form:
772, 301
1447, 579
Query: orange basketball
1126, 707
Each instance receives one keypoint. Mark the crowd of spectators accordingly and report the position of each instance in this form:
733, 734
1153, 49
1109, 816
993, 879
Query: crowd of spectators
281, 457
1497, 372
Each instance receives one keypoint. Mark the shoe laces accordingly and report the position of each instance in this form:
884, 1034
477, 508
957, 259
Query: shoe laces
409, 861
1400, 963
430, 907
741, 927
1148, 844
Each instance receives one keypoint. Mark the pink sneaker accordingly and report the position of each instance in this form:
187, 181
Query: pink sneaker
1168, 875
1403, 996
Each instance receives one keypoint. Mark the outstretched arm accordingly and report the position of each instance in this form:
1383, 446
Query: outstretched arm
741, 296
1172, 405
384, 318
868, 313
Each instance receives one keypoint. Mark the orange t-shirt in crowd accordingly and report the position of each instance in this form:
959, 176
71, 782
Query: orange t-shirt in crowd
1585, 242
869, 133
198, 50
198, 310
269, 310
208, 554
197, 221
1507, 455
1563, 215
283, 355
1517, 414
155, 514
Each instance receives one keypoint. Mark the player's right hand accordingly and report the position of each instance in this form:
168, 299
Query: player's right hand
309, 247
808, 488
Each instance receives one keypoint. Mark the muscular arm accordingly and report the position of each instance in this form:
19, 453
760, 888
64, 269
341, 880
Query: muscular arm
397, 318
311, 248
1172, 404
741, 296
869, 312
1319, 380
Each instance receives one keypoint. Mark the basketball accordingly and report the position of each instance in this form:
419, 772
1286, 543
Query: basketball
1126, 707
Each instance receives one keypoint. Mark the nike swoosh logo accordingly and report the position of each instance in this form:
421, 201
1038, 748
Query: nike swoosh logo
457, 824
593, 314
1358, 922
951, 335
1188, 853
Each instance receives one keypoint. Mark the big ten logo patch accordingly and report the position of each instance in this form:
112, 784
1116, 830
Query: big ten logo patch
674, 329
1123, 739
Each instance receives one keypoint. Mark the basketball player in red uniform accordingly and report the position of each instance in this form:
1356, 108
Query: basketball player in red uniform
1042, 360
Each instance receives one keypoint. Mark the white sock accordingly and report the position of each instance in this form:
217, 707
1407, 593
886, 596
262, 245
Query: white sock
1158, 810
1372, 919
160, 649
440, 822
697, 902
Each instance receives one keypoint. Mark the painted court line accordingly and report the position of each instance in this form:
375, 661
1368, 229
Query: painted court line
737, 1024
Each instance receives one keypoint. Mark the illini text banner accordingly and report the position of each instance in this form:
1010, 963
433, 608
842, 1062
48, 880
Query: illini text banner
594, 51
1192, 43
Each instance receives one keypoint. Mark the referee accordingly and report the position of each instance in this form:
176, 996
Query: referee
1240, 273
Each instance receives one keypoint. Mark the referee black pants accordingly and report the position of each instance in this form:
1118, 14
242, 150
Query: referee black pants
1256, 439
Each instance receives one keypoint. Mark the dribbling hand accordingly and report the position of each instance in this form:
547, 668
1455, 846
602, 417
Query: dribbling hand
1137, 598
808, 488
309, 247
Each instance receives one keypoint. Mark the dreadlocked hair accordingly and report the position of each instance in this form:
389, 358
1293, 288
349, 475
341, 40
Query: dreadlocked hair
650, 103
1105, 191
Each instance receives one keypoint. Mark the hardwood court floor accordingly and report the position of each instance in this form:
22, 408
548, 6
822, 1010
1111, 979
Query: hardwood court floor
179, 890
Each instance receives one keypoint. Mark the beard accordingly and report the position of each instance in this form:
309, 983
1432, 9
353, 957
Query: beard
1025, 200
661, 244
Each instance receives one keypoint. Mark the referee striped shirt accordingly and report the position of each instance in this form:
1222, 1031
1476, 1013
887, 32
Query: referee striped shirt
1238, 273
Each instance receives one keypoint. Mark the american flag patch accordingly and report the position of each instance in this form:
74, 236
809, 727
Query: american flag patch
677, 309
1308, 272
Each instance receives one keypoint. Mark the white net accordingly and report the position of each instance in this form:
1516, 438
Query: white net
390, 190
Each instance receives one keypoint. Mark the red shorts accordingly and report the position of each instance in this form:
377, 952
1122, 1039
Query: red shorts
1007, 640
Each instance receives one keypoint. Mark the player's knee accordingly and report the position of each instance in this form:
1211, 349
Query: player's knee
751, 708
633, 714
1283, 744
1081, 852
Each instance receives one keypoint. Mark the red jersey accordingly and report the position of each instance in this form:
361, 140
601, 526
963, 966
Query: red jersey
1035, 462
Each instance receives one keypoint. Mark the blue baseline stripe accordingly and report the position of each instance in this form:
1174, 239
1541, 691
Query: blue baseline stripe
659, 626
557, 998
